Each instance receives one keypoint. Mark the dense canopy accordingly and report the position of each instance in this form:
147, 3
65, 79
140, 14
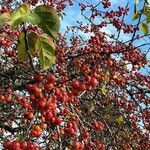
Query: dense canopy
79, 89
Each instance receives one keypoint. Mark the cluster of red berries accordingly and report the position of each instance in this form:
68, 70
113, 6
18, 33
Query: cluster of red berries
106, 3
20, 145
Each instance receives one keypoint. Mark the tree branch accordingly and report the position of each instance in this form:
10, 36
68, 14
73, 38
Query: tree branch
27, 47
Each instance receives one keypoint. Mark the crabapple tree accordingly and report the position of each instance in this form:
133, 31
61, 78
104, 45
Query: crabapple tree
82, 89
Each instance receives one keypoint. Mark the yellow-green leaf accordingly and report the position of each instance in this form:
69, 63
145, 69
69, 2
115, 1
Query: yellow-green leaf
148, 18
144, 28
32, 18
22, 52
120, 120
147, 13
104, 91
47, 52
18, 14
23, 14
146, 10
42, 45
91, 106
135, 16
106, 77
22, 55
32, 40
4, 18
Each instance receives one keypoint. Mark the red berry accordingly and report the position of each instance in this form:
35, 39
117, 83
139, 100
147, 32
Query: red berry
9, 91
109, 62
93, 81
58, 120
29, 115
24, 145
48, 86
75, 84
42, 102
2, 97
7, 144
51, 78
38, 78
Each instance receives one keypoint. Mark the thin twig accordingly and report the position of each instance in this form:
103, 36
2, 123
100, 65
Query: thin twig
59, 138
137, 26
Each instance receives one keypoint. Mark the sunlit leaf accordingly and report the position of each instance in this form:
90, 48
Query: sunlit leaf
4, 18
121, 78
91, 106
144, 28
148, 18
68, 116
104, 90
32, 18
18, 15
147, 13
120, 121
46, 52
106, 77
21, 137
135, 16
41, 45
22, 52
23, 14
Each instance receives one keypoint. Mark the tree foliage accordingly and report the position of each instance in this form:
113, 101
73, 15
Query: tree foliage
80, 90
143, 14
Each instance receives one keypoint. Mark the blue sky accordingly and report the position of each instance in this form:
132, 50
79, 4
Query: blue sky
73, 15
73, 12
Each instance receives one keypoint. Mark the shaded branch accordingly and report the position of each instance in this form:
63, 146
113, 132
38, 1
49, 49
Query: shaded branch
27, 48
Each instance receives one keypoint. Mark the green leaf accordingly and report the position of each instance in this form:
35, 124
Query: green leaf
147, 13
21, 137
23, 14
41, 45
19, 14
106, 77
146, 10
32, 18
104, 91
135, 16
91, 106
32, 41
148, 18
47, 52
144, 28
22, 55
49, 20
4, 18
120, 121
